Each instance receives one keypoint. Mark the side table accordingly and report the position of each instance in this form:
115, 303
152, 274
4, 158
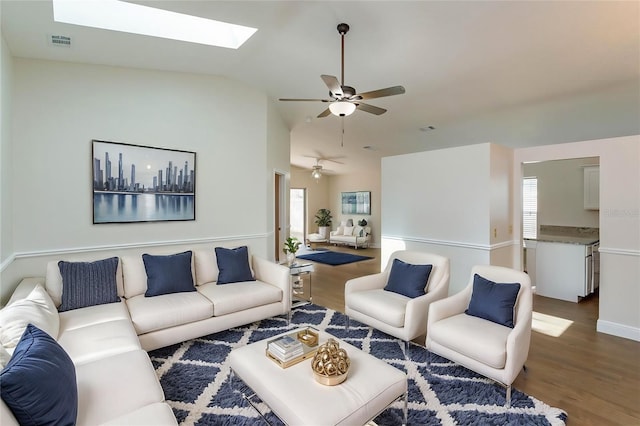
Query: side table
301, 284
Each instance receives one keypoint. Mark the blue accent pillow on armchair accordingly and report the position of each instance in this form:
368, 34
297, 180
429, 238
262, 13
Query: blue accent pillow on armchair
39, 382
493, 301
407, 279
168, 274
233, 265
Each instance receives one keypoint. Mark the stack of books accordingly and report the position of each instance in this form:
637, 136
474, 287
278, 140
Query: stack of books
285, 348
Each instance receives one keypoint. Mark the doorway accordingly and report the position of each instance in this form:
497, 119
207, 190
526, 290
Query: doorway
298, 213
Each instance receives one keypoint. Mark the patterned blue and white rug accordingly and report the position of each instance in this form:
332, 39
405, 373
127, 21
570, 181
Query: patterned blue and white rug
195, 378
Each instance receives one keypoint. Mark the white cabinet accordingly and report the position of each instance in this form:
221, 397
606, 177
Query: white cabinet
592, 188
560, 271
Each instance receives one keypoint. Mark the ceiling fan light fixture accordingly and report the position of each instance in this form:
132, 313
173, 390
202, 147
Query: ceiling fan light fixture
316, 172
342, 108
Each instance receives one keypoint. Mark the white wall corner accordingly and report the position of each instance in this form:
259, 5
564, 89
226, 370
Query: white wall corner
619, 330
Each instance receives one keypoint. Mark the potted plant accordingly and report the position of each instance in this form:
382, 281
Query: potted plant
291, 246
323, 220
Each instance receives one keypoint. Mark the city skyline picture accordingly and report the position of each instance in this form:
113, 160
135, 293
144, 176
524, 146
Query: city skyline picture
135, 183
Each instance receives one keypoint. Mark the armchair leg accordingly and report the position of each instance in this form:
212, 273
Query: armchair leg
508, 404
406, 350
346, 327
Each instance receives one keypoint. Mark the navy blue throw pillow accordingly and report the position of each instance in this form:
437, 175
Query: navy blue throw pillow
168, 274
39, 381
233, 265
407, 279
493, 301
88, 283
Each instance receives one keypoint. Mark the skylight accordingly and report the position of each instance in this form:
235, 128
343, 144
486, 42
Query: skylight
118, 15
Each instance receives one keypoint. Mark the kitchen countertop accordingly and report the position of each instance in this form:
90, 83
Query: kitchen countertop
565, 239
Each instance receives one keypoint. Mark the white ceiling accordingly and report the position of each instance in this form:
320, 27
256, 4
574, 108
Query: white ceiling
518, 73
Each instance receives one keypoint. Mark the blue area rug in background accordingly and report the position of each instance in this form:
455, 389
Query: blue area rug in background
195, 378
333, 258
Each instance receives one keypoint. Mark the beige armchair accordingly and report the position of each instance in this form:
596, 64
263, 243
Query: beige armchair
493, 350
392, 313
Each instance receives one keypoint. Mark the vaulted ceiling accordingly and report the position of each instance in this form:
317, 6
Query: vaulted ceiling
518, 73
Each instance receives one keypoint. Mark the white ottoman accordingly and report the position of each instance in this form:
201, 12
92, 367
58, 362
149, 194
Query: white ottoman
297, 399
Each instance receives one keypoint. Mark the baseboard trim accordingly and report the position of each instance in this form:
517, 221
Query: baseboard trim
620, 330
72, 250
473, 246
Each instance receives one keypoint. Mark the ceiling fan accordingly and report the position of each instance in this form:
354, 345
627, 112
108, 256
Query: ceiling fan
344, 99
316, 170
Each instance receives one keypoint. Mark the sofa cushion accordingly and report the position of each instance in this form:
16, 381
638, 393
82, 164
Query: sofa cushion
83, 317
39, 382
4, 357
37, 308
206, 266
407, 279
115, 386
233, 265
169, 310
168, 274
493, 301
53, 282
348, 231
358, 231
101, 340
227, 299
156, 414
88, 283
487, 344
382, 305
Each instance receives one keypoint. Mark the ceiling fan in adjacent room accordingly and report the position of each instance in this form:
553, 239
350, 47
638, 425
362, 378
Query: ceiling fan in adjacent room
345, 99
316, 170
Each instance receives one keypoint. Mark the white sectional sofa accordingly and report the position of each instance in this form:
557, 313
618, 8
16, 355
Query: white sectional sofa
356, 236
107, 343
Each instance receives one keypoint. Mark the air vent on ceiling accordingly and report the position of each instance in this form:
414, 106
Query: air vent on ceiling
60, 40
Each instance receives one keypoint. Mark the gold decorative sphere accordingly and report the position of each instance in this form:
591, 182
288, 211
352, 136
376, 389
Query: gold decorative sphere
330, 364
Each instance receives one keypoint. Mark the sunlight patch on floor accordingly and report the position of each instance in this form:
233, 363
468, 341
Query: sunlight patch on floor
549, 325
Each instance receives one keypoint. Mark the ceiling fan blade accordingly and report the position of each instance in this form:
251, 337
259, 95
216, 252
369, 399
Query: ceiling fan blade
305, 100
370, 108
389, 91
324, 113
333, 84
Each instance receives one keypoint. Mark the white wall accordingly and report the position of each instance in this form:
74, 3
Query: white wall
278, 154
327, 193
561, 192
450, 202
6, 190
362, 181
619, 312
58, 108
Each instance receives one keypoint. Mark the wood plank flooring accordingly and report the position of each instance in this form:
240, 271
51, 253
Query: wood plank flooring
593, 376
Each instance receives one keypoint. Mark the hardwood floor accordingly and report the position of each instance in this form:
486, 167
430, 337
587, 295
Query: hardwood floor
593, 376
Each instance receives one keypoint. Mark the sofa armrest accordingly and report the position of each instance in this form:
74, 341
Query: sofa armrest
450, 306
274, 274
417, 312
367, 282
24, 288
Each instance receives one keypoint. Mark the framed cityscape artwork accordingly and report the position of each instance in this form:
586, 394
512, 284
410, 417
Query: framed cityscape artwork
356, 202
134, 183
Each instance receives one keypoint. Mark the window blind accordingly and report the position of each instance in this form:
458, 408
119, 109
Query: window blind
530, 207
